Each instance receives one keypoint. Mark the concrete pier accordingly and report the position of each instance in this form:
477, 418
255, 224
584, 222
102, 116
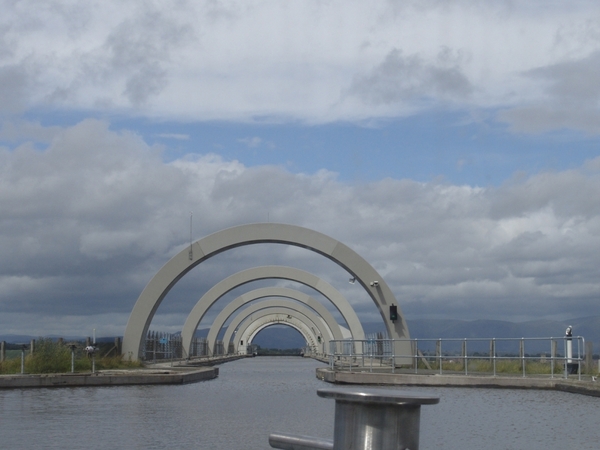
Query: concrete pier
584, 387
109, 378
175, 372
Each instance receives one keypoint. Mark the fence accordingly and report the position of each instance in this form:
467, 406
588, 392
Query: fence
492, 356
165, 346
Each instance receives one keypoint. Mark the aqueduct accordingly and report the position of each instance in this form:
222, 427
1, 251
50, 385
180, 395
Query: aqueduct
270, 307
269, 272
260, 233
258, 294
268, 319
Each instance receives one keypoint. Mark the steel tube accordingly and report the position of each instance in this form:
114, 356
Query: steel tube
382, 419
291, 442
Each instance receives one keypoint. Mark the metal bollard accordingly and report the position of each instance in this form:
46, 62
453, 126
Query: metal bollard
367, 419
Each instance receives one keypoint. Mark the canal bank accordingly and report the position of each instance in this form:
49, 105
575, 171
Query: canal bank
109, 378
178, 372
591, 388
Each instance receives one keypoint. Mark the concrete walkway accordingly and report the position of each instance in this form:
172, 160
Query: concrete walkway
176, 372
109, 378
585, 387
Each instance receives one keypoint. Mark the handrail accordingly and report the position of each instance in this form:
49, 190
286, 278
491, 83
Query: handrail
455, 354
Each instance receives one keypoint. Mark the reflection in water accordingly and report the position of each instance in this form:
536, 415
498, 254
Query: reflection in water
255, 397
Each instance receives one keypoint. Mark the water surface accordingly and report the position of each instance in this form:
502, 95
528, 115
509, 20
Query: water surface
257, 396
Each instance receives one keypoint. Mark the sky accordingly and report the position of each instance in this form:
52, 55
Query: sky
453, 144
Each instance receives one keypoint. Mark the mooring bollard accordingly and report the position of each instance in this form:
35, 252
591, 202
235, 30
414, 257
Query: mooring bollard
366, 419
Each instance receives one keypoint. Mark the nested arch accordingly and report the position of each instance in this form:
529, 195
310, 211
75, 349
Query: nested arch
262, 273
278, 319
251, 311
274, 316
260, 233
261, 293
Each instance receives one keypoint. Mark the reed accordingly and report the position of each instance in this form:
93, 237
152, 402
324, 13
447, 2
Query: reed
52, 357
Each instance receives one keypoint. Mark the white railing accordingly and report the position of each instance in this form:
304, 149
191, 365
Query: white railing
491, 356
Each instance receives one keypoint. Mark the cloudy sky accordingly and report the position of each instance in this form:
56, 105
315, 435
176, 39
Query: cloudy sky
454, 144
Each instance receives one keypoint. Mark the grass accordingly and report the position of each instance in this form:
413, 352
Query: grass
503, 366
52, 357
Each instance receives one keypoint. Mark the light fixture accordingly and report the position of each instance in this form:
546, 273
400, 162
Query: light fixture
375, 283
352, 280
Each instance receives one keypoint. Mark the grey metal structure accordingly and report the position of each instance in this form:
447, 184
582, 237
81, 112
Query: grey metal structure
250, 322
262, 273
260, 233
257, 294
366, 419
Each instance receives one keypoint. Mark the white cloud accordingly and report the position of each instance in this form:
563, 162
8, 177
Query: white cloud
277, 61
87, 221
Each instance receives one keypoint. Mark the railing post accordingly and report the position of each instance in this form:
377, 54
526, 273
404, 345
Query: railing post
464, 356
2, 351
331, 352
392, 343
154, 342
589, 356
23, 347
351, 352
72, 347
522, 354
493, 353
580, 347
553, 347
438, 353
416, 354
566, 361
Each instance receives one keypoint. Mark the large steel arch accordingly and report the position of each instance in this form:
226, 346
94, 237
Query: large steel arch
272, 316
257, 294
260, 233
324, 330
263, 273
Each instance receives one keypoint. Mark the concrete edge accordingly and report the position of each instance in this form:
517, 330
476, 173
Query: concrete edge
108, 378
558, 384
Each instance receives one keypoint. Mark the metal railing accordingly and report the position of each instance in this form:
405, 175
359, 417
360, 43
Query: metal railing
476, 356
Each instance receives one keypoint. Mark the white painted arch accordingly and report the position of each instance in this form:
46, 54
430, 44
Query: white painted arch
263, 273
251, 311
278, 319
278, 292
260, 233
275, 316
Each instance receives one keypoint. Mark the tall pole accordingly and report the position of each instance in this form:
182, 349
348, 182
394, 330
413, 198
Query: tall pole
191, 251
94, 350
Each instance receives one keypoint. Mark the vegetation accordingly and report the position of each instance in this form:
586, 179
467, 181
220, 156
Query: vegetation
503, 366
53, 357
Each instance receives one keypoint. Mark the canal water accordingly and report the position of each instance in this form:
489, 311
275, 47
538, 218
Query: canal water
257, 396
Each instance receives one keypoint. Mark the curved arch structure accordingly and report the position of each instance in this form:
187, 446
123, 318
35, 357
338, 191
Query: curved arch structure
260, 233
280, 319
257, 294
323, 328
268, 321
263, 273
273, 316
